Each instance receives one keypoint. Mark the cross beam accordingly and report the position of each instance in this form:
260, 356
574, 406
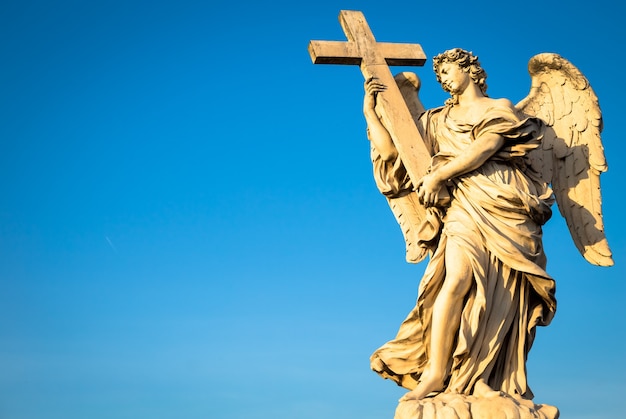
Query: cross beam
374, 58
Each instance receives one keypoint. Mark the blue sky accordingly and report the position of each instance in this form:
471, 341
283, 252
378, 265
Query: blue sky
189, 227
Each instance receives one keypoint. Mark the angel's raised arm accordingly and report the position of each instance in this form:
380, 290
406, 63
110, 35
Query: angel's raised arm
376, 131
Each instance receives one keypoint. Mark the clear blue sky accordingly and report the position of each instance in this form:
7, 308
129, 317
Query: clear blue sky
189, 227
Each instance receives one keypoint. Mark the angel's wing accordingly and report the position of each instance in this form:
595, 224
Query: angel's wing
572, 156
406, 208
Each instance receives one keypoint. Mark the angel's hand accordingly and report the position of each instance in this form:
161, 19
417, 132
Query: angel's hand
428, 189
372, 87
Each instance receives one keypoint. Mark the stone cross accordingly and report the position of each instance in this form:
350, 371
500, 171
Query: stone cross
374, 58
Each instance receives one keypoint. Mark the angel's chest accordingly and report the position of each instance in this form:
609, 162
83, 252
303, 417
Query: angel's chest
453, 137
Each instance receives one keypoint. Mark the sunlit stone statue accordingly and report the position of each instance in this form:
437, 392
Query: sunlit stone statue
476, 213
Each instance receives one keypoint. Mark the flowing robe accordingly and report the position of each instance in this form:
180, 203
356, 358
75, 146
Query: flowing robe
495, 215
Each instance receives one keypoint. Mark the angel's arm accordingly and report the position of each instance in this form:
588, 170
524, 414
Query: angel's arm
477, 153
472, 158
377, 133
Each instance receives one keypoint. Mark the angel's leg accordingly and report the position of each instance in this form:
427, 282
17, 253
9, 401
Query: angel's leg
445, 322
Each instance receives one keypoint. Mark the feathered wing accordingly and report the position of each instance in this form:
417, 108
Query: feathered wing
408, 211
409, 214
572, 155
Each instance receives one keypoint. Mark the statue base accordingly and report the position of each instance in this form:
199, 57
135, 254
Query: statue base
459, 406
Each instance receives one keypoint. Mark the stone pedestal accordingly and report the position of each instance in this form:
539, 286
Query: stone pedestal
458, 406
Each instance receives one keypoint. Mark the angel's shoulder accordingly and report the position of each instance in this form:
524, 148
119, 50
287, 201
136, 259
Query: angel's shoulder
503, 103
430, 114
497, 108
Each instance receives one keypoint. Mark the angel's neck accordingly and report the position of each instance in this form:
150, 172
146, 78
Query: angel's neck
471, 94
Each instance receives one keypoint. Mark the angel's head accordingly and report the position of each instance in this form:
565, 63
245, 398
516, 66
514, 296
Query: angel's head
467, 62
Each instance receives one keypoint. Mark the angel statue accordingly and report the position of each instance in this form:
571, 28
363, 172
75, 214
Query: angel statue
495, 172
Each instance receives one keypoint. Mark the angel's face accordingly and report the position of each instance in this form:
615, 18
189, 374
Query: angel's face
453, 78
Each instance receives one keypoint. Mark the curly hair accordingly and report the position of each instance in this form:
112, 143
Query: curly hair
467, 61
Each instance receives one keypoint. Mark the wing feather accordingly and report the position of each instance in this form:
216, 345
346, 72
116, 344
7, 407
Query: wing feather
572, 157
405, 205
409, 214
